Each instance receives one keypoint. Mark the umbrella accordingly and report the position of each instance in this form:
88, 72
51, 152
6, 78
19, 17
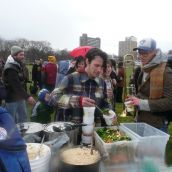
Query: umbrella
80, 51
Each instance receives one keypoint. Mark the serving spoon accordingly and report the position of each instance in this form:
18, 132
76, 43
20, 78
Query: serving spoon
39, 150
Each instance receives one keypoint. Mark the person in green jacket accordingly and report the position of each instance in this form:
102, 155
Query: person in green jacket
42, 110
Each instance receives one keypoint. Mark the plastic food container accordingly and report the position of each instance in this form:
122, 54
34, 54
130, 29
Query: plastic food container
88, 130
119, 151
152, 141
88, 117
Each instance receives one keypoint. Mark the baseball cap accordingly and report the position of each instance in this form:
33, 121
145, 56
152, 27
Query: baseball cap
147, 44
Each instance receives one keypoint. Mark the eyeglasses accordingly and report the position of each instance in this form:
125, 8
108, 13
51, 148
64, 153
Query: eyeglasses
144, 53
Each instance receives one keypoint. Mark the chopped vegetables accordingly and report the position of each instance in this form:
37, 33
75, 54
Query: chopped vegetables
105, 111
110, 135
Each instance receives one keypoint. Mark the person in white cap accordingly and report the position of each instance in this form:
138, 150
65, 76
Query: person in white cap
14, 81
154, 98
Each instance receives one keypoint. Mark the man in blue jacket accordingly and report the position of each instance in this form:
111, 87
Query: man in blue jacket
13, 155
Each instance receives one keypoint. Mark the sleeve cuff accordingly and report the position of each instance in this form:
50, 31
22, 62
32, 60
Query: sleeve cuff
80, 101
144, 105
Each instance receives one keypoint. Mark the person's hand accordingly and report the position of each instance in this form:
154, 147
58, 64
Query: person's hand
31, 100
133, 101
88, 102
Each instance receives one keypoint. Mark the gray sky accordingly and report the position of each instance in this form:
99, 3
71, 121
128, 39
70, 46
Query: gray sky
61, 22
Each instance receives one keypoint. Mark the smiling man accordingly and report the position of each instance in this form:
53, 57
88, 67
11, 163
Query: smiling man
154, 97
14, 79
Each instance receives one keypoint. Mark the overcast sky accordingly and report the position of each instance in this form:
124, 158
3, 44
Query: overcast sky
61, 22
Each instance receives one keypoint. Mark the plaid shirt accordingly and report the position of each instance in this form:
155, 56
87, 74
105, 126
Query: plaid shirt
74, 86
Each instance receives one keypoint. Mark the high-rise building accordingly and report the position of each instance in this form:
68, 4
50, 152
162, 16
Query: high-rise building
126, 47
85, 40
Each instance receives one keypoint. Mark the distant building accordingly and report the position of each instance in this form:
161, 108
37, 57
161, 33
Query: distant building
126, 47
85, 40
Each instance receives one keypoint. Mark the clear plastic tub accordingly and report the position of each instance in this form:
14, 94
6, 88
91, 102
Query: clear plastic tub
152, 141
119, 151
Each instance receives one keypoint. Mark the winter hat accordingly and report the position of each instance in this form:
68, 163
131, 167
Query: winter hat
52, 59
15, 50
41, 94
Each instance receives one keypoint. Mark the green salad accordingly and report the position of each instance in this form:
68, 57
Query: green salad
110, 135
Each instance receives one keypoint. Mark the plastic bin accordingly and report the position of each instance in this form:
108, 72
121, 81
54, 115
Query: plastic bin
119, 151
143, 165
152, 141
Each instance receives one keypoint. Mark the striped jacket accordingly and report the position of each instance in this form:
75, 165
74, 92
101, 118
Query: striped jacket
74, 86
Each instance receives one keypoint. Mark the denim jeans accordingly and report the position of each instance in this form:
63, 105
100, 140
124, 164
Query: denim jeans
18, 111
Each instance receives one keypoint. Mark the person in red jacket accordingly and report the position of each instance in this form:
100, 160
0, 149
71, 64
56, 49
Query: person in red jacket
49, 73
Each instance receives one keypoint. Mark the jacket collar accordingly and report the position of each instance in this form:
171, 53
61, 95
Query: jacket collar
84, 77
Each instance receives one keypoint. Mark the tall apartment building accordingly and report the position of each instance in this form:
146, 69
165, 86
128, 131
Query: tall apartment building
85, 40
126, 47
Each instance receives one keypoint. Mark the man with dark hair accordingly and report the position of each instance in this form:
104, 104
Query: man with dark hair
14, 80
83, 89
154, 96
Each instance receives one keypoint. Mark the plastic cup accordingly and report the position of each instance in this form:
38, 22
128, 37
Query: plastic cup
129, 107
88, 130
86, 139
109, 119
88, 117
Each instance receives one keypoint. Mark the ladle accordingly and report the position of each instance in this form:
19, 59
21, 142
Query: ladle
39, 150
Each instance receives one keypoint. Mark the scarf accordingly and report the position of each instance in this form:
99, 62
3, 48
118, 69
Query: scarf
156, 68
156, 81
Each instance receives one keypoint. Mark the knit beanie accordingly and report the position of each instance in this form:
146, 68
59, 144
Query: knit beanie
15, 50
52, 59
41, 95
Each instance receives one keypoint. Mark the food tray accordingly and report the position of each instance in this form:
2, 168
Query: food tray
119, 151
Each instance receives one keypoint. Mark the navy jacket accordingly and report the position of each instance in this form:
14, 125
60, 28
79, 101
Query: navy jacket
13, 155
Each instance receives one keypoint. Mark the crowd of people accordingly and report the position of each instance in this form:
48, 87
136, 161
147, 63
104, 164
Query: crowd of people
86, 81
65, 87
